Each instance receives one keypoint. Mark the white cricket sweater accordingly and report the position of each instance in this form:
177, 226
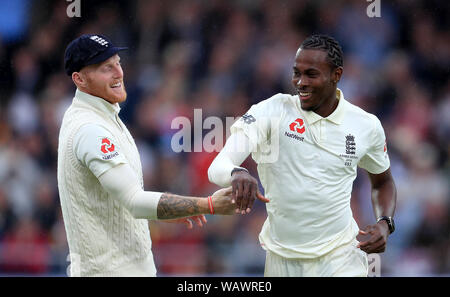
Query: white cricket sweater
104, 238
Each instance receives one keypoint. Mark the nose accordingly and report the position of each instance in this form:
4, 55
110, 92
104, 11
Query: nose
118, 71
302, 82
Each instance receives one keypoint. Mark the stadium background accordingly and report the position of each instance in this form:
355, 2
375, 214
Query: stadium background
223, 56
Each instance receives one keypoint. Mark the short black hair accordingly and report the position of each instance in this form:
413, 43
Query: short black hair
328, 44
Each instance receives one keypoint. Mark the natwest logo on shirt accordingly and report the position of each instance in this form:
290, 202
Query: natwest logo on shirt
297, 126
107, 147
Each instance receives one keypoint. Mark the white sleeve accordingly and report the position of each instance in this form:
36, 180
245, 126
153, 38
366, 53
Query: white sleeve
96, 148
253, 124
261, 125
122, 184
376, 160
237, 148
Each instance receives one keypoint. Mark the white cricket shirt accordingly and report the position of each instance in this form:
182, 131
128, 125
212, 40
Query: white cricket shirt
307, 165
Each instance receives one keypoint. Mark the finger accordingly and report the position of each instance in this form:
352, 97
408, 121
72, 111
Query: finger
253, 192
371, 249
379, 249
362, 232
363, 244
198, 221
233, 191
371, 229
188, 223
239, 191
261, 197
245, 197
249, 198
377, 243
366, 249
372, 239
373, 244
249, 205
203, 218
227, 191
375, 238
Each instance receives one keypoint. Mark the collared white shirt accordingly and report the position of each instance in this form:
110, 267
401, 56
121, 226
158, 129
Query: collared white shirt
94, 145
307, 165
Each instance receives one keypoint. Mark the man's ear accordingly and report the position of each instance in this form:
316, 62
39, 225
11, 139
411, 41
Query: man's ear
79, 79
337, 74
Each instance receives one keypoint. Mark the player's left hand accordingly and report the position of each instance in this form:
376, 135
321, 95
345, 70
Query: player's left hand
189, 221
378, 234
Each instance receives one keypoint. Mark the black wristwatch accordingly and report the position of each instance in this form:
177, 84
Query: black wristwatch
238, 169
389, 221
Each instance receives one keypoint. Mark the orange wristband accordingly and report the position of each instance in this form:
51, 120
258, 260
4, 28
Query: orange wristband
210, 204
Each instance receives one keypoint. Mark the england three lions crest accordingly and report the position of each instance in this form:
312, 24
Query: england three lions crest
350, 145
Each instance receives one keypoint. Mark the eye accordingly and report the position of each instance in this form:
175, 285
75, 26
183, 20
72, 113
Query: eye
313, 74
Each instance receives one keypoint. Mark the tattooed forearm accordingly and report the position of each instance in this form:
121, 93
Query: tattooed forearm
174, 206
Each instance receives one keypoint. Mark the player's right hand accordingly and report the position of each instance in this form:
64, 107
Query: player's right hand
223, 202
245, 191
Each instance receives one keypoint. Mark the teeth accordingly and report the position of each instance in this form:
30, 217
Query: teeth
304, 94
116, 85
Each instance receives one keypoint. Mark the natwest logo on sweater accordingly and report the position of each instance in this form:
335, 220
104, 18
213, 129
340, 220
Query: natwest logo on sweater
107, 146
297, 126
108, 149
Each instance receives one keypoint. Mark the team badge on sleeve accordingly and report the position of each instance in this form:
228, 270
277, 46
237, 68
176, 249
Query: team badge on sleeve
107, 146
248, 118
108, 149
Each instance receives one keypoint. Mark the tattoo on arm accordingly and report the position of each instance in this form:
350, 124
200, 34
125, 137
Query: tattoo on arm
174, 206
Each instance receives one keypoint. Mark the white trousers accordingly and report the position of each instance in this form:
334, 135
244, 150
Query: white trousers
344, 261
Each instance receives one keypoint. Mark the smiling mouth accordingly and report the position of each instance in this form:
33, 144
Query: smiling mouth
304, 95
116, 85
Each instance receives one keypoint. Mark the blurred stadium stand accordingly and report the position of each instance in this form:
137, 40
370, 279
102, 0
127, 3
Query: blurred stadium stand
222, 56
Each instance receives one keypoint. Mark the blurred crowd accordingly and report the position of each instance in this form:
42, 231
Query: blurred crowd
221, 57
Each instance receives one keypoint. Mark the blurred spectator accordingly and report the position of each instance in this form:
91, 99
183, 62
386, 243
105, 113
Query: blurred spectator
221, 57
25, 249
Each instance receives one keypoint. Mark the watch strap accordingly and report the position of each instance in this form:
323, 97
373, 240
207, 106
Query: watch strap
389, 221
239, 169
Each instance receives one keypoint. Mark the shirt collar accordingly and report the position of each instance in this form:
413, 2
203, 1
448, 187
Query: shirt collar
96, 102
336, 116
